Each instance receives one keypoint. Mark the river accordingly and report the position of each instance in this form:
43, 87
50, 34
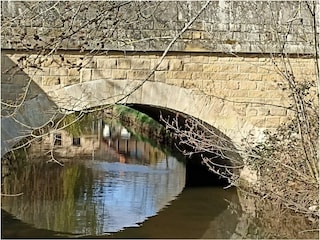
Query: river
113, 184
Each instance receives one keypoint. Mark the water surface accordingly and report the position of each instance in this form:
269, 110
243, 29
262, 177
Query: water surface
112, 185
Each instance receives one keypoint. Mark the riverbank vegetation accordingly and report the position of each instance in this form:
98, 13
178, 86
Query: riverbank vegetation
287, 161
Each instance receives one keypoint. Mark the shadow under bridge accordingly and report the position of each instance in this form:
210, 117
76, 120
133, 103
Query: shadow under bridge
210, 154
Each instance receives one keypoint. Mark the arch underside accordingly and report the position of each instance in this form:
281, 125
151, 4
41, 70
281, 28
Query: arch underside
214, 111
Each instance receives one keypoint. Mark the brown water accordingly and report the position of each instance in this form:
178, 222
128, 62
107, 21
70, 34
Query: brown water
111, 185
118, 201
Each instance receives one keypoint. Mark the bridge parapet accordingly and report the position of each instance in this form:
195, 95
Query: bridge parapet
223, 26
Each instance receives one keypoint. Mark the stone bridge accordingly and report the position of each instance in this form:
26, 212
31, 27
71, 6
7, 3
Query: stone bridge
225, 68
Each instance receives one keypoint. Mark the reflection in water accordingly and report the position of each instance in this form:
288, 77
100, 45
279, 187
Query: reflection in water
127, 193
114, 186
197, 213
125, 182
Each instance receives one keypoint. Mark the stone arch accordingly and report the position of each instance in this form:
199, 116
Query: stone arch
214, 111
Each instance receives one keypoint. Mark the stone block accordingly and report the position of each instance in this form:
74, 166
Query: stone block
258, 94
274, 94
230, 68
193, 67
72, 59
213, 59
309, 70
263, 110
164, 65
240, 108
203, 76
51, 80
189, 84
160, 76
87, 62
119, 74
278, 112
221, 76
255, 76
251, 111
124, 63
258, 121
176, 82
283, 120
138, 75
60, 71
73, 72
196, 35
85, 75
180, 75
106, 63
49, 62
266, 69
101, 74
268, 86
187, 35
211, 67
199, 59
272, 122
140, 64
238, 76
225, 59
249, 85
66, 81
233, 85
175, 65
248, 68
237, 93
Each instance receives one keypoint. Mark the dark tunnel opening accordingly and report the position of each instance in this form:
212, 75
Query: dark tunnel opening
197, 173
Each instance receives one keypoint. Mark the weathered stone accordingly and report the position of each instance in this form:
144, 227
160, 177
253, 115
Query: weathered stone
51, 80
160, 76
85, 75
119, 74
249, 85
272, 121
202, 76
73, 72
138, 74
58, 71
233, 85
193, 67
278, 111
202, 59
175, 65
123, 63
101, 74
106, 63
180, 75
140, 64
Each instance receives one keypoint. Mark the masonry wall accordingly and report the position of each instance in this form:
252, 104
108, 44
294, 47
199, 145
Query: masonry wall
250, 82
223, 26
